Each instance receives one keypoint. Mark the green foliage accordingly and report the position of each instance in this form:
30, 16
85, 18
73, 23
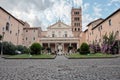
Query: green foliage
43, 48
70, 47
49, 50
22, 49
84, 48
109, 39
0, 46
109, 44
35, 48
78, 50
8, 48
105, 38
94, 48
26, 50
0, 37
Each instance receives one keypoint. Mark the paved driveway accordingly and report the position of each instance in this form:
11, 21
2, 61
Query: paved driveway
60, 69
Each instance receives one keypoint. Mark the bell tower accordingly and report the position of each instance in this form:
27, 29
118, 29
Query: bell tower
76, 21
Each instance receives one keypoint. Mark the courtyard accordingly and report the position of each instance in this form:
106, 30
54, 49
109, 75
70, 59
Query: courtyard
60, 68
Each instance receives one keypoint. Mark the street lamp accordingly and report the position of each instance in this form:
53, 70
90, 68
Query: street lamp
2, 44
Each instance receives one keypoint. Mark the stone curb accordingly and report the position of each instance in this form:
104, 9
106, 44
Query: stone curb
29, 58
93, 57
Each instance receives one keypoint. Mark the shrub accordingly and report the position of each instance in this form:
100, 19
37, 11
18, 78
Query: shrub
95, 48
84, 48
8, 48
43, 48
20, 48
78, 50
49, 50
0, 37
35, 48
26, 50
0, 46
109, 44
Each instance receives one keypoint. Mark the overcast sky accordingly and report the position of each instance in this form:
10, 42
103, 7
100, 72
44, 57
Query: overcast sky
42, 13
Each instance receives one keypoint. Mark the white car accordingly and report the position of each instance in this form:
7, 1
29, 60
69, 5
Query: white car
18, 52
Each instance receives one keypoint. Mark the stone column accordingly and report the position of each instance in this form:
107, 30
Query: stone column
41, 44
55, 48
48, 47
70, 44
63, 48
70, 51
77, 45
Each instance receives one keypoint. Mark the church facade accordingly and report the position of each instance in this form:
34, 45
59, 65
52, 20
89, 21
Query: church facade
60, 36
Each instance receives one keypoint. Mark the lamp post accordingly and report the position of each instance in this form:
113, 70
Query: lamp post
2, 44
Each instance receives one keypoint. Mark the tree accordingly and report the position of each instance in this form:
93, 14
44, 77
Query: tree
35, 48
84, 48
109, 43
26, 50
0, 37
9, 48
42, 48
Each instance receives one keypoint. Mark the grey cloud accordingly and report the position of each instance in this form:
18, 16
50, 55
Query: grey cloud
25, 6
37, 22
39, 5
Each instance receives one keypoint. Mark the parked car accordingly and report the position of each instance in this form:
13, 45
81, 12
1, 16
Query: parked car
18, 52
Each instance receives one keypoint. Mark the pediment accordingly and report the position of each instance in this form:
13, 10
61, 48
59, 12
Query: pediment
59, 25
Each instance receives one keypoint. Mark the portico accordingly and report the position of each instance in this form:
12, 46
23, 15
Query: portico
60, 44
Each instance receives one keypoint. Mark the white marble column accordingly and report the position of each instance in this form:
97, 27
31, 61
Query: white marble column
49, 45
78, 45
55, 47
70, 44
63, 48
41, 44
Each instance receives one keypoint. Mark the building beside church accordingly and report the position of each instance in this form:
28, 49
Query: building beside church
11, 27
98, 28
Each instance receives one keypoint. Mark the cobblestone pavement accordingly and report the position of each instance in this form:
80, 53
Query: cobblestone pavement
60, 69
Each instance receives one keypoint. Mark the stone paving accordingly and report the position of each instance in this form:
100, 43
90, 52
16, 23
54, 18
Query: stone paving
60, 69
